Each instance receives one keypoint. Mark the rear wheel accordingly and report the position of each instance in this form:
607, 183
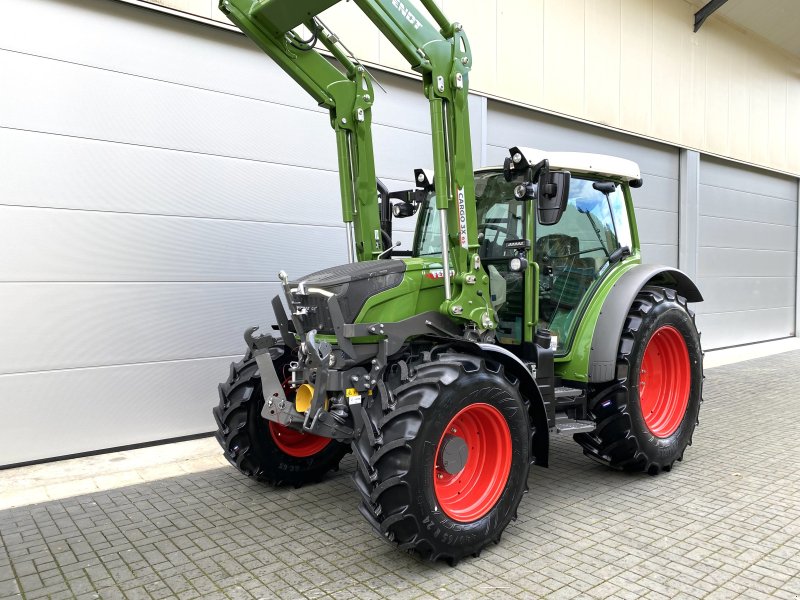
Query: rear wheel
450, 458
646, 418
263, 449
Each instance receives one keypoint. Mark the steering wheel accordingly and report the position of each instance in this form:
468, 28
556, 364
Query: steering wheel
499, 228
485, 242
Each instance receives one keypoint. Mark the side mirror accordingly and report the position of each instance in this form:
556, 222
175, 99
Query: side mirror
552, 195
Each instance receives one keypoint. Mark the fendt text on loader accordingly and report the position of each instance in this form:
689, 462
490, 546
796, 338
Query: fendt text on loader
522, 311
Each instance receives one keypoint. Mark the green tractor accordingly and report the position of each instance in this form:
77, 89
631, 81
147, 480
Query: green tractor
521, 312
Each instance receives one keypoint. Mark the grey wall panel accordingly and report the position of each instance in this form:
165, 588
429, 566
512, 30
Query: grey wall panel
737, 177
657, 226
136, 110
71, 325
747, 206
731, 294
660, 254
742, 262
159, 114
74, 245
747, 254
128, 40
721, 330
657, 193
719, 232
58, 413
142, 180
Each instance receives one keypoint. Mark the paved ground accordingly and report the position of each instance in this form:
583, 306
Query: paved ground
724, 523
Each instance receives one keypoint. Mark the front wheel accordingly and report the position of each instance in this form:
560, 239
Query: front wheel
646, 418
263, 449
450, 458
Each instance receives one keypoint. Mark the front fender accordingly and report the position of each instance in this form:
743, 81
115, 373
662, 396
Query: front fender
540, 442
605, 339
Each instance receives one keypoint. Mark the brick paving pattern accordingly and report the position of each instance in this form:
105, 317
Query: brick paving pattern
725, 523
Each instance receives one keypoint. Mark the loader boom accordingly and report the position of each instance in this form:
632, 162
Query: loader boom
442, 57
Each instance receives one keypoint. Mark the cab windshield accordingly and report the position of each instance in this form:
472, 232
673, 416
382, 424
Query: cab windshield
500, 217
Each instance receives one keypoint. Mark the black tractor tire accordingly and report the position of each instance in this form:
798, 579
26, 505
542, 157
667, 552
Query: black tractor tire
399, 449
625, 439
247, 438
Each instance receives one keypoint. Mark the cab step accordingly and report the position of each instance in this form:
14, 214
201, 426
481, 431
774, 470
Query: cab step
564, 392
565, 425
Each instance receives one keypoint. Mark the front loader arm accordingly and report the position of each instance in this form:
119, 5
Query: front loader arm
443, 59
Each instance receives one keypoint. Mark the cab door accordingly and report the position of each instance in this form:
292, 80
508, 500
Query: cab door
502, 218
574, 254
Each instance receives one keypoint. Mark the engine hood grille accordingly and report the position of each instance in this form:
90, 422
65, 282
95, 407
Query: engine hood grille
352, 284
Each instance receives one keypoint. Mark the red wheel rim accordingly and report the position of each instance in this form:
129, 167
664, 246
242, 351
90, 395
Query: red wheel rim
665, 379
296, 443
470, 493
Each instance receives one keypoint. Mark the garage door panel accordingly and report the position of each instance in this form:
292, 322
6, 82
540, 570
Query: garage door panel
130, 40
128, 405
514, 126
54, 245
747, 253
737, 177
729, 233
146, 180
398, 152
737, 262
728, 294
495, 155
93, 34
720, 330
658, 193
68, 325
134, 110
736, 204
658, 254
657, 226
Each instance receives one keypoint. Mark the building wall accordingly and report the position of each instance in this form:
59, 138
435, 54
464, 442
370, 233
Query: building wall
634, 65
156, 173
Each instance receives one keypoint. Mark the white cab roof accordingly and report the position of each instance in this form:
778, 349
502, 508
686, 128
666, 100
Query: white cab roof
599, 164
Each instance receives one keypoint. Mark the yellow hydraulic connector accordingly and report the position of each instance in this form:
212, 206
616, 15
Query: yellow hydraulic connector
302, 400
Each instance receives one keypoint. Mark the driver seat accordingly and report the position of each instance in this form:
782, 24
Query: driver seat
571, 274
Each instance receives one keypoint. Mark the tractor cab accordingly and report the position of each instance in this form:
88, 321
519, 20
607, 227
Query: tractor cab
548, 267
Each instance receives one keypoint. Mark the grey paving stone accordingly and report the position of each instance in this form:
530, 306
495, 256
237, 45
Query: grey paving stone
725, 523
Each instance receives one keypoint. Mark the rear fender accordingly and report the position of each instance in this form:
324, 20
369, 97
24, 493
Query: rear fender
607, 331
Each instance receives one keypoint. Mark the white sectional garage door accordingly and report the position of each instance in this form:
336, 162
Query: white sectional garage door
747, 261
656, 201
155, 175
